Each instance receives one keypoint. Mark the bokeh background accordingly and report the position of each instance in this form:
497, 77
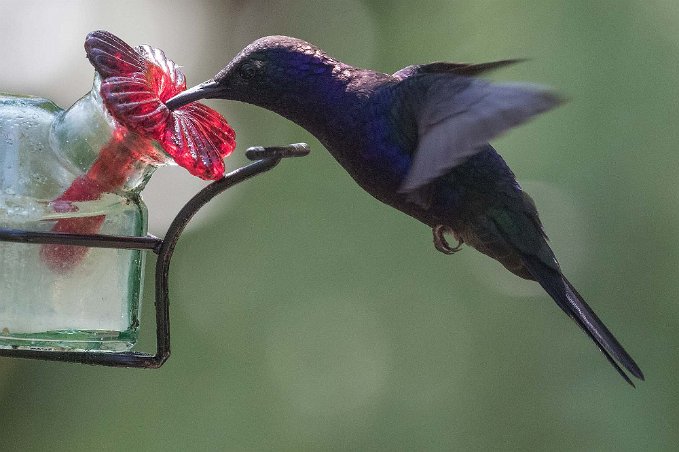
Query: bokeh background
307, 316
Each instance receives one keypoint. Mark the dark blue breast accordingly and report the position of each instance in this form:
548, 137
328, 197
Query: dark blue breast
393, 135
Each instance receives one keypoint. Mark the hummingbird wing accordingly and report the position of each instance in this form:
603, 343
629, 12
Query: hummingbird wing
455, 115
467, 69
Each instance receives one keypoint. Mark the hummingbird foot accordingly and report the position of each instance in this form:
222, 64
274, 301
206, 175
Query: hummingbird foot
440, 242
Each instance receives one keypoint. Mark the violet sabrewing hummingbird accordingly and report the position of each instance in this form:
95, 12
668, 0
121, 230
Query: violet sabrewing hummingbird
417, 140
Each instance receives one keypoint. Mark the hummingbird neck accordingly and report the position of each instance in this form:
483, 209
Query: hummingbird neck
325, 104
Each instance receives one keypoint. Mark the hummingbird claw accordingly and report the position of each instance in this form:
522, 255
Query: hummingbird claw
440, 242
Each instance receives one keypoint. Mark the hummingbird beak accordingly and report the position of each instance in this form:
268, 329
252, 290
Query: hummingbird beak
205, 90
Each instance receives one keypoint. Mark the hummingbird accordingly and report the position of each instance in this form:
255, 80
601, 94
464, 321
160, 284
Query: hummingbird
417, 140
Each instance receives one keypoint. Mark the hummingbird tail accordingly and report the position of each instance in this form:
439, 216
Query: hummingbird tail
570, 301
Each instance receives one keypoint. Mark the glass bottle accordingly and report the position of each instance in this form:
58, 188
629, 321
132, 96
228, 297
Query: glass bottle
81, 171
60, 296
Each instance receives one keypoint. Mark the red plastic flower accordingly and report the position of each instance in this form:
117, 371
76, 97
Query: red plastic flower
134, 86
136, 83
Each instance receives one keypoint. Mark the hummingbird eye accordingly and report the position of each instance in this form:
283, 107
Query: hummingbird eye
249, 69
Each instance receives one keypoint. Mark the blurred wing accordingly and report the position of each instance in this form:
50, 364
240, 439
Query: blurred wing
467, 69
456, 115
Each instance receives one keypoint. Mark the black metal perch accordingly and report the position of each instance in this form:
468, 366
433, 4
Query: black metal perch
265, 158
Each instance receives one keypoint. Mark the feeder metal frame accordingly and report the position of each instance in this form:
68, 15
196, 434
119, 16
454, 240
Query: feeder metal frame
265, 159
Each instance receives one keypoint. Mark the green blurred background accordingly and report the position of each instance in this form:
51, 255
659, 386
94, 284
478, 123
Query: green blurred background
307, 316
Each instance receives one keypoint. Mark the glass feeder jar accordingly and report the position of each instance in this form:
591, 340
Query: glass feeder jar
63, 296
66, 175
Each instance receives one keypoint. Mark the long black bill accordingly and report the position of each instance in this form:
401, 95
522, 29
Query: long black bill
205, 90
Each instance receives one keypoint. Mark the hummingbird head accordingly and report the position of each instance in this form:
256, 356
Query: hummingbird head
273, 72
